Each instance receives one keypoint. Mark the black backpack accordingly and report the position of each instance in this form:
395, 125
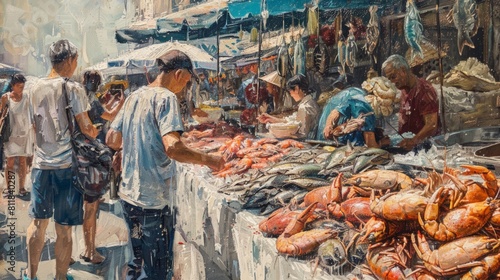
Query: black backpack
92, 160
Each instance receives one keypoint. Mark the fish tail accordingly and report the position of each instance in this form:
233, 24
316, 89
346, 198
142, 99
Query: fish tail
464, 39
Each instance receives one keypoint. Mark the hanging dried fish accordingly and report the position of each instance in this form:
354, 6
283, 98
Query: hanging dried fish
299, 57
413, 29
350, 51
291, 50
372, 32
321, 57
283, 59
312, 20
341, 50
464, 16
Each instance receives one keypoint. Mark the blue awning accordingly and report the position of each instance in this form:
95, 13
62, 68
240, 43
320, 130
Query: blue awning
244, 8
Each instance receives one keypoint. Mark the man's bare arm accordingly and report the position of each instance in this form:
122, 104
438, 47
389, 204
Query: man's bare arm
86, 125
114, 139
176, 150
429, 129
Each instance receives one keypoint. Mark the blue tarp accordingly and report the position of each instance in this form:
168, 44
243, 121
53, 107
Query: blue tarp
240, 9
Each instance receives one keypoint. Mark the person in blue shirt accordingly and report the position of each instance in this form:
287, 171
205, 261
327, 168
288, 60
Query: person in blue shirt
148, 128
348, 103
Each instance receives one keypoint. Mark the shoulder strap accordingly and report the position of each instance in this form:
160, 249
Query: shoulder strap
68, 107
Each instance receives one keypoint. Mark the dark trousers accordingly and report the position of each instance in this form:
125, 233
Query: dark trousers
152, 235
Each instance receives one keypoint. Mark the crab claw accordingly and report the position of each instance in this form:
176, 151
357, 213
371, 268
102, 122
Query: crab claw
334, 193
480, 170
297, 225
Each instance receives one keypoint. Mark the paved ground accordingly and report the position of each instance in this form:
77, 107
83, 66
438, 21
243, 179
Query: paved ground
112, 242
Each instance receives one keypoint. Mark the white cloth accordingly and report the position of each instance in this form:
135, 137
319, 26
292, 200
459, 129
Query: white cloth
308, 115
21, 139
52, 136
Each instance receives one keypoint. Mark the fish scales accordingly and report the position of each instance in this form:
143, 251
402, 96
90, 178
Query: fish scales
308, 183
372, 31
464, 15
306, 169
299, 58
283, 167
413, 29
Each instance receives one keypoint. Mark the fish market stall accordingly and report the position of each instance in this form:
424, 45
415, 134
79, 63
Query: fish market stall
236, 222
216, 232
282, 208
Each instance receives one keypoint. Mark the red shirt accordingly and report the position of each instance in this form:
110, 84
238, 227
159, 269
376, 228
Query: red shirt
419, 101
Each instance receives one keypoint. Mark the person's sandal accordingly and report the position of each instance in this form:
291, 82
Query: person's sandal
89, 260
22, 193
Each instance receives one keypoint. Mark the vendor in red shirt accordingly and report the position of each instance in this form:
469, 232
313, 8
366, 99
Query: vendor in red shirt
418, 111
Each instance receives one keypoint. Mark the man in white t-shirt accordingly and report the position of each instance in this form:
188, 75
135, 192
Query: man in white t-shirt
53, 194
150, 126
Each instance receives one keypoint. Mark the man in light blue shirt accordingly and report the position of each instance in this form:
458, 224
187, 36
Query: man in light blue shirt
348, 103
148, 128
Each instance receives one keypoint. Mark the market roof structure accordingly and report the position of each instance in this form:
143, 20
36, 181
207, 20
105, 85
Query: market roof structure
7, 70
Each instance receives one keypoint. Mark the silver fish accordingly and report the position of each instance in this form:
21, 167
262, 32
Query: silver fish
291, 50
413, 29
341, 48
259, 199
308, 183
336, 157
299, 58
305, 170
283, 59
282, 168
351, 50
372, 32
464, 16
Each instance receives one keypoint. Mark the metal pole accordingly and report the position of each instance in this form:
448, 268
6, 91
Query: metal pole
491, 39
258, 62
441, 76
218, 58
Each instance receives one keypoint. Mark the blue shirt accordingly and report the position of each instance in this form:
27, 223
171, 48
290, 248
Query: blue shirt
350, 103
147, 115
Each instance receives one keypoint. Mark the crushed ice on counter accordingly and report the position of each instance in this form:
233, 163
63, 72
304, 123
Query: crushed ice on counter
435, 157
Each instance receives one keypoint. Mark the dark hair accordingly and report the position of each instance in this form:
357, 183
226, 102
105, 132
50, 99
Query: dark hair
298, 80
17, 79
174, 60
14, 79
91, 80
62, 50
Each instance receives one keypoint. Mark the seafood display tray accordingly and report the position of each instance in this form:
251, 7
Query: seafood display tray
490, 157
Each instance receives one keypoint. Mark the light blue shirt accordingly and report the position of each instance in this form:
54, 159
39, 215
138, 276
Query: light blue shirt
147, 114
350, 103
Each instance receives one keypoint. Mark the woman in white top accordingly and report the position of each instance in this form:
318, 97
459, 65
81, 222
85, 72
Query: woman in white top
20, 144
308, 110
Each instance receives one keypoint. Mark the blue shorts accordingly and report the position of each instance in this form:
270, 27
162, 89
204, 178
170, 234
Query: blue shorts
54, 194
